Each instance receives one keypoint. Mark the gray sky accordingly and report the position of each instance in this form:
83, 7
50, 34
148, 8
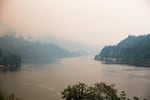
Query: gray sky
92, 22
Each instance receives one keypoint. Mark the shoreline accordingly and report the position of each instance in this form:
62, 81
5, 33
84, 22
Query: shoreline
119, 61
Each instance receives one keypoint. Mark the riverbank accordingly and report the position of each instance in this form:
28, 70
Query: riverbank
109, 60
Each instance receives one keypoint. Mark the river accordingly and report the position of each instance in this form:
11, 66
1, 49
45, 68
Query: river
46, 81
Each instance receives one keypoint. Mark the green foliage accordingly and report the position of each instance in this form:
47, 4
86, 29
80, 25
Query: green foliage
134, 50
78, 92
100, 91
7, 97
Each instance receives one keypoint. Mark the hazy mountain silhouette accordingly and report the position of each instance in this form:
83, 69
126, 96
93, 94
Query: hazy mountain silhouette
71, 46
30, 49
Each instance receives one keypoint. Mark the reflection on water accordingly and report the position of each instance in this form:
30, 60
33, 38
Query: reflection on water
46, 81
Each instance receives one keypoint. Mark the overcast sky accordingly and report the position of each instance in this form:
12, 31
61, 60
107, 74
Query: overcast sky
92, 22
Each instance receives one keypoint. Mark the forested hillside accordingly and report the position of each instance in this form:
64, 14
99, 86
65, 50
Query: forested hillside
134, 50
30, 50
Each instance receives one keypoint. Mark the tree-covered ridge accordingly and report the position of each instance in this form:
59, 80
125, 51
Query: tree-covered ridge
9, 61
134, 50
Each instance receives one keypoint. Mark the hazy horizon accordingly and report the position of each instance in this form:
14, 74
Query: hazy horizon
95, 23
50, 49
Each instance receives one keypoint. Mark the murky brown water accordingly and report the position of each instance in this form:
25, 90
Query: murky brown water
46, 81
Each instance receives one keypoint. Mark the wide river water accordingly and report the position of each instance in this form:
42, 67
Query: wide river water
46, 81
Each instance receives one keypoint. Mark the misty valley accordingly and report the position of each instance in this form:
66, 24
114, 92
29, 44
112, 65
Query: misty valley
74, 50
33, 70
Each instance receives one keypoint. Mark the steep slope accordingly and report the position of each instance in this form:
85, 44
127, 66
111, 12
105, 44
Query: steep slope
134, 50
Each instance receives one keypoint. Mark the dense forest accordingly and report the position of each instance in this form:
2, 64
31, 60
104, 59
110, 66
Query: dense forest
134, 50
9, 61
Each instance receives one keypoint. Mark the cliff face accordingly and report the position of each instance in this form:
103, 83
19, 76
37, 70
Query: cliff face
134, 50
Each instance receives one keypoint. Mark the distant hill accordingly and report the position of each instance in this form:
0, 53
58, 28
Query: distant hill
30, 50
134, 50
72, 46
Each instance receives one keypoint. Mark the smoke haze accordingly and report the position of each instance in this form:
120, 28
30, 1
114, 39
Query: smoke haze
92, 22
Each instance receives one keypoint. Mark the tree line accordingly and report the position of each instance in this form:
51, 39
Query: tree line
134, 50
100, 91
81, 91
9, 61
